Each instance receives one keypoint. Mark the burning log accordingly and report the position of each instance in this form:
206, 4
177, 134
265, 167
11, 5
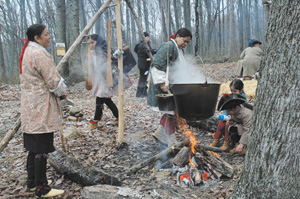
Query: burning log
78, 172
186, 142
182, 157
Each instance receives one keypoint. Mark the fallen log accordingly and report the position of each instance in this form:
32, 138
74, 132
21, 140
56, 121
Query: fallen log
78, 172
10, 134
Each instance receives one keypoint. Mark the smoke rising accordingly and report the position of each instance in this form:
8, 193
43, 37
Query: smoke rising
187, 72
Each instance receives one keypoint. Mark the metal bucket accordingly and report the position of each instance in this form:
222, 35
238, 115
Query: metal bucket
195, 101
165, 102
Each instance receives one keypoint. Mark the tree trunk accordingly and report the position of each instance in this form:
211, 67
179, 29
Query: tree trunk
60, 27
241, 25
37, 11
145, 7
176, 10
98, 25
231, 29
133, 29
187, 21
197, 28
2, 62
82, 14
163, 20
247, 20
76, 73
271, 168
256, 29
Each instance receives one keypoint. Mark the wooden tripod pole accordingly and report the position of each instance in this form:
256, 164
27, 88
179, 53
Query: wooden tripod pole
109, 78
120, 66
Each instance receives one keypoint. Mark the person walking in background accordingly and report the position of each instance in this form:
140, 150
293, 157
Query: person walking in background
41, 114
100, 89
251, 58
168, 53
143, 65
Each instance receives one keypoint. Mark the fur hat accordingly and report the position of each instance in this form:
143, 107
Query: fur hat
229, 101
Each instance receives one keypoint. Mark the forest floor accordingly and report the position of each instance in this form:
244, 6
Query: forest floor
98, 147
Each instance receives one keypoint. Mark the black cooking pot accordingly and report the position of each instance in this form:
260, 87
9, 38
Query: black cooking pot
165, 102
195, 101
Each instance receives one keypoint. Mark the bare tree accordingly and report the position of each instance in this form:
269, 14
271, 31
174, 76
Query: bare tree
271, 167
231, 29
241, 25
2, 63
37, 11
76, 73
163, 19
61, 28
145, 7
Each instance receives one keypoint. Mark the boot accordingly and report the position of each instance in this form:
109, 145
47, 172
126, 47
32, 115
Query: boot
225, 146
215, 143
45, 191
93, 124
34, 188
232, 151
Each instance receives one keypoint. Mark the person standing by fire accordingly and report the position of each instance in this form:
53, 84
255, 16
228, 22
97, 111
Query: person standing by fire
41, 115
167, 54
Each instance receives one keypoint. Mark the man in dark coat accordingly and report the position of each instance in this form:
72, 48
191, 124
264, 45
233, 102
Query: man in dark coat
143, 65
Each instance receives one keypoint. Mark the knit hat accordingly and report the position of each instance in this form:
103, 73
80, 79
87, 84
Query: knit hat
229, 101
146, 34
251, 41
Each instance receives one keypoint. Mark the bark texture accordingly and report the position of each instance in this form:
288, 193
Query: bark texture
271, 168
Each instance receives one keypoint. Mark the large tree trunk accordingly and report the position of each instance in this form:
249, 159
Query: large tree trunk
76, 73
271, 168
60, 27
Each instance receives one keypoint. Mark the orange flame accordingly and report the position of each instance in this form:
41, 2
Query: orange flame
192, 162
187, 176
152, 169
205, 175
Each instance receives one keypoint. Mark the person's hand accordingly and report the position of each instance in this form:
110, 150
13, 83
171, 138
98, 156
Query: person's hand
229, 122
164, 87
239, 148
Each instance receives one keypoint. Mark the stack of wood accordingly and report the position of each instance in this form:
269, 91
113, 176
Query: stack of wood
200, 166
72, 113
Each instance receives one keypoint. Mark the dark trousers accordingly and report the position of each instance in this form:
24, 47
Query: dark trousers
36, 169
100, 105
142, 84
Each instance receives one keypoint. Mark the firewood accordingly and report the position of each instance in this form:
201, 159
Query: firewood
75, 170
182, 157
158, 156
10, 134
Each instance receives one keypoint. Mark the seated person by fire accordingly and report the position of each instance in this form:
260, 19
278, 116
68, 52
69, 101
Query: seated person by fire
237, 127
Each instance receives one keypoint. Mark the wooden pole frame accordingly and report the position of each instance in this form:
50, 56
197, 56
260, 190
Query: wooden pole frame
120, 81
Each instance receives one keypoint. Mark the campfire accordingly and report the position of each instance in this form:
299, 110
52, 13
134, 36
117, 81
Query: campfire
193, 164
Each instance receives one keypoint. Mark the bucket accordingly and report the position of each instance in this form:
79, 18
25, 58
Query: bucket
195, 101
165, 102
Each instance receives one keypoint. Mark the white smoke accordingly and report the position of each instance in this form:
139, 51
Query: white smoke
187, 72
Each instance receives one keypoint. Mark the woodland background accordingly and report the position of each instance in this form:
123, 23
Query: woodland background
221, 28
